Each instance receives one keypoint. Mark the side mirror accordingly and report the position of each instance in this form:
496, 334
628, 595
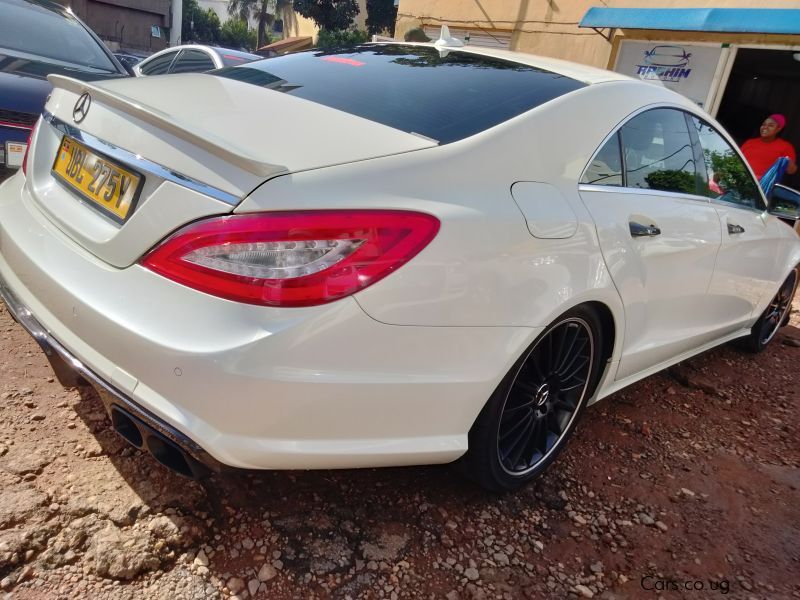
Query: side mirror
784, 203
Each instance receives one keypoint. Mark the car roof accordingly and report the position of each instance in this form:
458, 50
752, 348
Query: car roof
203, 47
233, 52
582, 73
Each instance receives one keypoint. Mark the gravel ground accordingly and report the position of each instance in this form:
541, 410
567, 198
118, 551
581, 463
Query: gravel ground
688, 478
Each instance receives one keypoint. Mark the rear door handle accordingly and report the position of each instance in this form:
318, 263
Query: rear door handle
734, 229
639, 230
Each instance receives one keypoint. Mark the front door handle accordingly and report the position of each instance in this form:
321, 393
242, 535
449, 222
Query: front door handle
734, 229
639, 230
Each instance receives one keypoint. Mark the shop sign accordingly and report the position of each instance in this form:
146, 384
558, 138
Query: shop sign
685, 68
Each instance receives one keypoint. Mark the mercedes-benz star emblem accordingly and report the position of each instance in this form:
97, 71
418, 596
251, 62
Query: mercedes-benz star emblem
542, 395
81, 107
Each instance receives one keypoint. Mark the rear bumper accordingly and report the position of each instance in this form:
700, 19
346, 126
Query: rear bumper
252, 387
69, 371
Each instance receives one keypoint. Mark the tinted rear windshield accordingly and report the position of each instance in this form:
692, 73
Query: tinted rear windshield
44, 31
445, 96
231, 58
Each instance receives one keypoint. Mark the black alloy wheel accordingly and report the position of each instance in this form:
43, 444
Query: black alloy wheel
534, 410
774, 317
544, 398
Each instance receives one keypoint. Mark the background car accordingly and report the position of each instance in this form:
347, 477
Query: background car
441, 259
191, 58
38, 38
129, 60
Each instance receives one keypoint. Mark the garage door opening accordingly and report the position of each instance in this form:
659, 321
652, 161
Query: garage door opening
763, 82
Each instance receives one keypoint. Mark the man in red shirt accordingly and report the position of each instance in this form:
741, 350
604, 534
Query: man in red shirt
762, 152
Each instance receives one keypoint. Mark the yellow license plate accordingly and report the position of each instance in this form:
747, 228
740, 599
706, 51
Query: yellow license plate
102, 182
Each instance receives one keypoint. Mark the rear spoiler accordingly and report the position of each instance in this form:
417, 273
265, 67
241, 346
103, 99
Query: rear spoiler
206, 141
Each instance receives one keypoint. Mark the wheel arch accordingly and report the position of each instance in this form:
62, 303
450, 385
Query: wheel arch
474, 463
608, 337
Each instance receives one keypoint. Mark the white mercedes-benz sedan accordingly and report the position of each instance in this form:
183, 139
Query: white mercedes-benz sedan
393, 254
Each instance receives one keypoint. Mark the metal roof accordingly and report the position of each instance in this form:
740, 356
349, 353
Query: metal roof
721, 20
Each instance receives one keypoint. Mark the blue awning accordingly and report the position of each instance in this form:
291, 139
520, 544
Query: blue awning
721, 20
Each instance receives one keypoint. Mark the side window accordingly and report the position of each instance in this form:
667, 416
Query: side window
158, 66
728, 177
657, 152
192, 61
606, 167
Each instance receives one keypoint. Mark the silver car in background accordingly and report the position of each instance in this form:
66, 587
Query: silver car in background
191, 58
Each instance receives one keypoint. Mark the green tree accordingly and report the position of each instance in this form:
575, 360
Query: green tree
672, 180
263, 10
235, 33
341, 38
732, 176
381, 16
332, 15
201, 26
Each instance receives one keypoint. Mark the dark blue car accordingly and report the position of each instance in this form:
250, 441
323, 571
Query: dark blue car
38, 38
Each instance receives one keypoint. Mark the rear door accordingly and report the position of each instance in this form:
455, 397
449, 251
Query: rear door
749, 253
658, 234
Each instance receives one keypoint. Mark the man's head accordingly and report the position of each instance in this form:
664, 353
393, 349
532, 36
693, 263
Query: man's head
771, 126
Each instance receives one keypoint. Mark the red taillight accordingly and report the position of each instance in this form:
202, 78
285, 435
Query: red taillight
292, 258
28, 149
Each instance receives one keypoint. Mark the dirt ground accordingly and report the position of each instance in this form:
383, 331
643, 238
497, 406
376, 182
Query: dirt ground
685, 485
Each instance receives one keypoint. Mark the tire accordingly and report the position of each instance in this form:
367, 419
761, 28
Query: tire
774, 317
532, 413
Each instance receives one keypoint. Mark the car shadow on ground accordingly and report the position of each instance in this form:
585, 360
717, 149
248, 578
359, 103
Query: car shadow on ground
316, 527
348, 530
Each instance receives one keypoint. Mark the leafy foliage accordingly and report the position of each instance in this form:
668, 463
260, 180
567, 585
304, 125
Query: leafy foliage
416, 35
731, 175
672, 180
381, 16
236, 34
332, 15
200, 26
341, 38
259, 9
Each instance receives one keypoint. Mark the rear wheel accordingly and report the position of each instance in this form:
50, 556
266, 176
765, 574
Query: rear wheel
774, 317
528, 419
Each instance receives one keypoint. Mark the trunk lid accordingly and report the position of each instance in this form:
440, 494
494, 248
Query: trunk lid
200, 144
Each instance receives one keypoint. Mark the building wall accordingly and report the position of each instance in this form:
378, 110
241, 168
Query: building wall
126, 23
550, 27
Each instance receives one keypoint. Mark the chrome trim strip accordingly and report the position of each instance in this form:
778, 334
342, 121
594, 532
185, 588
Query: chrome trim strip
138, 163
618, 189
615, 189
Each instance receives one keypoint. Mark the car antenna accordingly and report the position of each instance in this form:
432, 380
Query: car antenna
447, 41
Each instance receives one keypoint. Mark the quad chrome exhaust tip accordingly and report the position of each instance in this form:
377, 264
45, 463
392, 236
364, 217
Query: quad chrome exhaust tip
140, 435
